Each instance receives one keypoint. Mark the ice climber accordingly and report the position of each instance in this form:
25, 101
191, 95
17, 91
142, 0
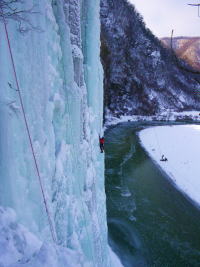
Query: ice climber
101, 143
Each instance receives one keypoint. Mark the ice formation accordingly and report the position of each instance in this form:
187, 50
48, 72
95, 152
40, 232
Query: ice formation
60, 78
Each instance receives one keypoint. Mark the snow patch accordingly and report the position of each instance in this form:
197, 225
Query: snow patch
180, 145
76, 51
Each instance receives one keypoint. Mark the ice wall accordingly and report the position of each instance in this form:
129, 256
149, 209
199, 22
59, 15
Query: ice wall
60, 78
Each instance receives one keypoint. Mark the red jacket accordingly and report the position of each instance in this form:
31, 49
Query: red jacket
101, 140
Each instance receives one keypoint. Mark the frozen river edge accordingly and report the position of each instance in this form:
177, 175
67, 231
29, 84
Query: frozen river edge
180, 144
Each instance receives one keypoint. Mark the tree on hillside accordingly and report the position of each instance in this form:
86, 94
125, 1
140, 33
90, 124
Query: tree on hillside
13, 9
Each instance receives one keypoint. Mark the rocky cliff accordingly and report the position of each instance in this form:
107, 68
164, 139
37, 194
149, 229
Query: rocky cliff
141, 76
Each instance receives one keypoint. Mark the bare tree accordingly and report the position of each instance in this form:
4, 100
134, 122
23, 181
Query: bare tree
13, 9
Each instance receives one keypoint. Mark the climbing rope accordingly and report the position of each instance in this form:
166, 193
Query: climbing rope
28, 132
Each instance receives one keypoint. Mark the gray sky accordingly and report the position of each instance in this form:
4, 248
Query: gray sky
161, 16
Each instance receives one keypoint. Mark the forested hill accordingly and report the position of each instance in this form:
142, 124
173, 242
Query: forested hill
141, 76
187, 48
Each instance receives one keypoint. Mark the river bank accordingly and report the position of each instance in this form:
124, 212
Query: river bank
167, 116
180, 145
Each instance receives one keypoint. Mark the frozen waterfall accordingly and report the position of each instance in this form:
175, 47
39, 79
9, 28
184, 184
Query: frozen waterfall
60, 78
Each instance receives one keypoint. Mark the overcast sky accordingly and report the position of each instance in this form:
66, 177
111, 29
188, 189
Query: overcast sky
161, 16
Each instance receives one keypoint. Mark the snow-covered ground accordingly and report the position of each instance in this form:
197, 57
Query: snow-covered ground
181, 146
163, 116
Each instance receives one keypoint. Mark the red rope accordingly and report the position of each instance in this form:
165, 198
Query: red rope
29, 136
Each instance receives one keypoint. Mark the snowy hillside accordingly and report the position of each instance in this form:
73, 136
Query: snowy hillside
141, 76
61, 83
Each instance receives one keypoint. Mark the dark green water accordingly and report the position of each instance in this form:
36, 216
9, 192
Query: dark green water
150, 223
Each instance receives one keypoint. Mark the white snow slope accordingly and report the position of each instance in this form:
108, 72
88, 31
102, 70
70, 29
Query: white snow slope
180, 144
61, 82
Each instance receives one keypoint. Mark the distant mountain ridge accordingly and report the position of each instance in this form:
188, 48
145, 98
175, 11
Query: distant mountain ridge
187, 48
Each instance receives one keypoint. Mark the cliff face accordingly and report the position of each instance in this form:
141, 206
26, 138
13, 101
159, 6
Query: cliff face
61, 82
187, 48
141, 77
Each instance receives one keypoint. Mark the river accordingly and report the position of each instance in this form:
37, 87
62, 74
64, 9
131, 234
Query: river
150, 222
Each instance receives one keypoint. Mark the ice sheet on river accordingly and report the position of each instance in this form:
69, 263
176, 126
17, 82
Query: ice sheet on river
181, 145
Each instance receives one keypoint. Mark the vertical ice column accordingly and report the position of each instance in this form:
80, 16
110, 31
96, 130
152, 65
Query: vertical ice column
93, 75
19, 181
73, 221
74, 20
